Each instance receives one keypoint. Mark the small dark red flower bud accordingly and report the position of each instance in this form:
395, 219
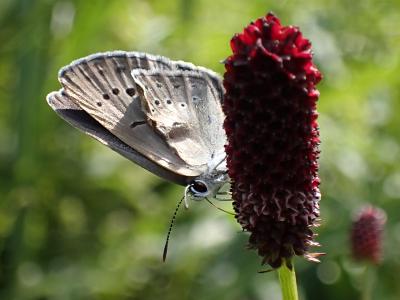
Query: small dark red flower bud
273, 138
366, 234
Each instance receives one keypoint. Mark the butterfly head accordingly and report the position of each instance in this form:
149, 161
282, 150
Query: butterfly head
207, 185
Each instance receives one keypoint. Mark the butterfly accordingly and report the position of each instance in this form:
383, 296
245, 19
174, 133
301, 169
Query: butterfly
164, 115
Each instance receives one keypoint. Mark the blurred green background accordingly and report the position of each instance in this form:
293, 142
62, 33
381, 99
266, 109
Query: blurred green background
77, 221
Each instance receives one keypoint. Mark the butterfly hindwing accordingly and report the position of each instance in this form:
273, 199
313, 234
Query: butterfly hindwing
185, 108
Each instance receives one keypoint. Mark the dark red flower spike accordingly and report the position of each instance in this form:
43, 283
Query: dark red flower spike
366, 234
273, 138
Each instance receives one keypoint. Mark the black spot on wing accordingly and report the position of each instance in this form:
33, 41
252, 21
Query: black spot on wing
137, 123
130, 91
120, 69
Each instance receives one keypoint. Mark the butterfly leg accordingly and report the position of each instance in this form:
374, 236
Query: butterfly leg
219, 208
223, 194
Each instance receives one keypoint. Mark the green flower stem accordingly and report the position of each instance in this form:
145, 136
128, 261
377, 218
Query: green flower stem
367, 284
287, 279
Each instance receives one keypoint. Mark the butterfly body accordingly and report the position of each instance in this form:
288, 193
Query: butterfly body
164, 115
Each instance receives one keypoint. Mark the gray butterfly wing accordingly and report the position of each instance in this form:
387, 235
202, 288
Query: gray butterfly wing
184, 107
101, 87
80, 119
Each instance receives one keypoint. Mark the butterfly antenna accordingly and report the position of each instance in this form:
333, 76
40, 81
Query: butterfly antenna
219, 208
170, 229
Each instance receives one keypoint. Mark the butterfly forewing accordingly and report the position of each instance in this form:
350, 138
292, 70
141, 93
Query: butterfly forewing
80, 119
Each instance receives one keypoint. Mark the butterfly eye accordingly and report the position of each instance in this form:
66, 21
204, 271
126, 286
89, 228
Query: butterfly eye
198, 187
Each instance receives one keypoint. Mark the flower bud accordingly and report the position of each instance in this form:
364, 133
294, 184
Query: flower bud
366, 234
